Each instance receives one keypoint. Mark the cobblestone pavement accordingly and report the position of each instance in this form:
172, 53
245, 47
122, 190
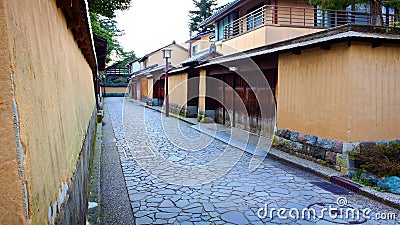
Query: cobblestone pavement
176, 175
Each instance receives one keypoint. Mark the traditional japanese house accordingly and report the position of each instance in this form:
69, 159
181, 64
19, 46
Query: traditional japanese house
320, 74
184, 81
148, 82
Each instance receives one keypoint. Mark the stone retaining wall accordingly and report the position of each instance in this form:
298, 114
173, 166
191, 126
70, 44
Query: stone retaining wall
186, 111
321, 150
327, 152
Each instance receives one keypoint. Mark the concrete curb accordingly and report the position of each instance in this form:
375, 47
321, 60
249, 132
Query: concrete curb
326, 173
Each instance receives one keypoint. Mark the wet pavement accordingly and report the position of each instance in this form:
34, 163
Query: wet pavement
176, 175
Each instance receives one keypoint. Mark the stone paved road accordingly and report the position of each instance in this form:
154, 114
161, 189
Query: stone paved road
176, 175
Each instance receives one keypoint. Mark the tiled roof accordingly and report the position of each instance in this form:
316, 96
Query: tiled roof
151, 70
167, 46
144, 71
202, 56
202, 35
179, 69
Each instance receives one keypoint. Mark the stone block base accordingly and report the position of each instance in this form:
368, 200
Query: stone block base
330, 153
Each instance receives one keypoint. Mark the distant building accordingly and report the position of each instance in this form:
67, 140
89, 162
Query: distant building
116, 79
148, 83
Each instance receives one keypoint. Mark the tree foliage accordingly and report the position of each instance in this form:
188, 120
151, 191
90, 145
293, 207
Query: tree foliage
102, 14
107, 8
127, 57
394, 4
203, 10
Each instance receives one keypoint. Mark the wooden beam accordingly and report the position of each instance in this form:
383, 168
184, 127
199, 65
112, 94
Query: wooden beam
79, 36
296, 52
83, 45
63, 3
325, 47
376, 44
217, 69
73, 23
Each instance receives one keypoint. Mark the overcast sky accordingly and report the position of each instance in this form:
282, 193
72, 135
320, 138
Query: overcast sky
151, 24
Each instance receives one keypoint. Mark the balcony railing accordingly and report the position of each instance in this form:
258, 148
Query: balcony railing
299, 17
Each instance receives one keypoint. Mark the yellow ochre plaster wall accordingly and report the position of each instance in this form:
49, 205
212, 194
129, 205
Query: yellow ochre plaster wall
314, 92
116, 90
144, 87
179, 55
177, 88
348, 94
55, 99
11, 195
375, 92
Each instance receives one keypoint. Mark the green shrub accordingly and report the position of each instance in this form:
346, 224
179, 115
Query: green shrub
380, 160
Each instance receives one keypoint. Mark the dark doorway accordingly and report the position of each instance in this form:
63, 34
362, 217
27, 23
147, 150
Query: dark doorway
159, 90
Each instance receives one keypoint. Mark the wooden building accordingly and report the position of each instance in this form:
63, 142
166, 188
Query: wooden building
333, 89
148, 82
308, 66
184, 81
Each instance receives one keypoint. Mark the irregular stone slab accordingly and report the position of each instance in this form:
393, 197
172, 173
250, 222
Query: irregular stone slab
154, 200
144, 220
160, 221
186, 223
224, 204
193, 205
234, 217
137, 197
182, 203
261, 194
166, 204
170, 210
208, 207
234, 184
163, 215
245, 188
166, 192
202, 223
194, 210
280, 191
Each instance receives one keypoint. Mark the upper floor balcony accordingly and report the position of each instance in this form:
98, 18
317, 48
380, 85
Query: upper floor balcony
299, 17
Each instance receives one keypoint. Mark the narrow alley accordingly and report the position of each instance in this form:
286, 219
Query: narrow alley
175, 179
